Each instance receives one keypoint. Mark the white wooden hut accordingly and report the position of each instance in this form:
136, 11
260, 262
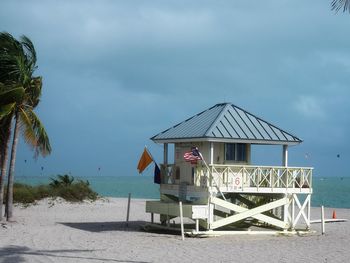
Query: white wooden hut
225, 189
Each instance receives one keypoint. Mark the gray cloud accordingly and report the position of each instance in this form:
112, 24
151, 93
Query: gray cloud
117, 72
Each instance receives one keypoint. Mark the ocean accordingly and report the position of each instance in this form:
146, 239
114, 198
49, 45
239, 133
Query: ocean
327, 191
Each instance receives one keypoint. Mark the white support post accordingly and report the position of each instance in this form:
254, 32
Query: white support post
293, 211
309, 212
210, 214
301, 209
285, 164
181, 221
165, 154
211, 153
285, 211
285, 156
322, 220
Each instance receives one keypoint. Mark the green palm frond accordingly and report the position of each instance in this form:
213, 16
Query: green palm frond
34, 91
21, 71
34, 132
18, 59
341, 4
9, 98
9, 43
62, 180
7, 110
10, 95
10, 51
65, 179
30, 53
17, 65
54, 183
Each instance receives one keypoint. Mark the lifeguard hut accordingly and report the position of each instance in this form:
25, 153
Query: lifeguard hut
225, 190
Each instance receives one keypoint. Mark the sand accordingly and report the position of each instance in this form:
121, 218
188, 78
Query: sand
96, 232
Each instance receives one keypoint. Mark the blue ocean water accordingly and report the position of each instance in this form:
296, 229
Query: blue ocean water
327, 191
109, 186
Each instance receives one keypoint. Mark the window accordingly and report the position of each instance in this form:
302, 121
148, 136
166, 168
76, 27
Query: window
230, 150
177, 173
241, 152
235, 152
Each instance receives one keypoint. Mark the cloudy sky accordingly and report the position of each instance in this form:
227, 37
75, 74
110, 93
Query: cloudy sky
118, 72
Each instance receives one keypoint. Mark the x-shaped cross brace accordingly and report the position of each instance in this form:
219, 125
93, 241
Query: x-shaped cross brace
245, 213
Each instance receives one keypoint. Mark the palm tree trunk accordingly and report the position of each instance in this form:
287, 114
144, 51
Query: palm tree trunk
9, 201
3, 162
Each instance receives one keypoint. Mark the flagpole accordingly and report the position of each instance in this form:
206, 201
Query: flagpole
200, 155
145, 160
150, 155
157, 166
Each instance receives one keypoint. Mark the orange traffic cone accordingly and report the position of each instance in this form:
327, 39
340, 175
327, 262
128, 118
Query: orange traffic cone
334, 216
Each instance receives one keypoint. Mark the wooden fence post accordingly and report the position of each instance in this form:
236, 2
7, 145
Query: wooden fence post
128, 211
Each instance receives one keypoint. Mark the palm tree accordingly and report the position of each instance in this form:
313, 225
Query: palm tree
62, 180
341, 4
17, 65
8, 99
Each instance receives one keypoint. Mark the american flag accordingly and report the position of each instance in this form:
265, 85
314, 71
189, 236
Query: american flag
193, 156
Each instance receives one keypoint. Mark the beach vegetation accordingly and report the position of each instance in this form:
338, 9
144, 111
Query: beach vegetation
27, 194
76, 192
17, 66
71, 190
62, 180
67, 187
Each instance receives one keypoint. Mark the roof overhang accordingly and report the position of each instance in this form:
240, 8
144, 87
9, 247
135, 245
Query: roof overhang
228, 140
225, 122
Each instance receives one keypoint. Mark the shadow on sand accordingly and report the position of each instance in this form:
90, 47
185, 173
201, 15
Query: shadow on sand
12, 254
133, 226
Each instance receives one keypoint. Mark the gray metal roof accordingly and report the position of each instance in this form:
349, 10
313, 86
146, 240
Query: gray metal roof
226, 122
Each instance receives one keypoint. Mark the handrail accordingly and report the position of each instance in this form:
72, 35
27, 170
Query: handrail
244, 176
239, 177
261, 166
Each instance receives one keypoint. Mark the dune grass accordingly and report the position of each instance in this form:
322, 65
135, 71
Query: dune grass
63, 186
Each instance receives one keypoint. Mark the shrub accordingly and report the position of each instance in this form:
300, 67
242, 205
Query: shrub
64, 186
42, 191
74, 192
23, 193
62, 180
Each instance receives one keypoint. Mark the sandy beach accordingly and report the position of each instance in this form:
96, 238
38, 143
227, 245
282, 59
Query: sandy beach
96, 232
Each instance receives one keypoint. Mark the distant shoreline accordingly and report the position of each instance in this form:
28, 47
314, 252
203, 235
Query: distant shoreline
327, 191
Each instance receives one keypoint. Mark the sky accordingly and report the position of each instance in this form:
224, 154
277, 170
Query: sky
116, 73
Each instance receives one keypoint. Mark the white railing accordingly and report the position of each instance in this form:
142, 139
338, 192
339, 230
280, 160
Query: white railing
249, 176
168, 173
240, 177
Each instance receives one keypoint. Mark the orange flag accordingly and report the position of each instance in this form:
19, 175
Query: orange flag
145, 160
